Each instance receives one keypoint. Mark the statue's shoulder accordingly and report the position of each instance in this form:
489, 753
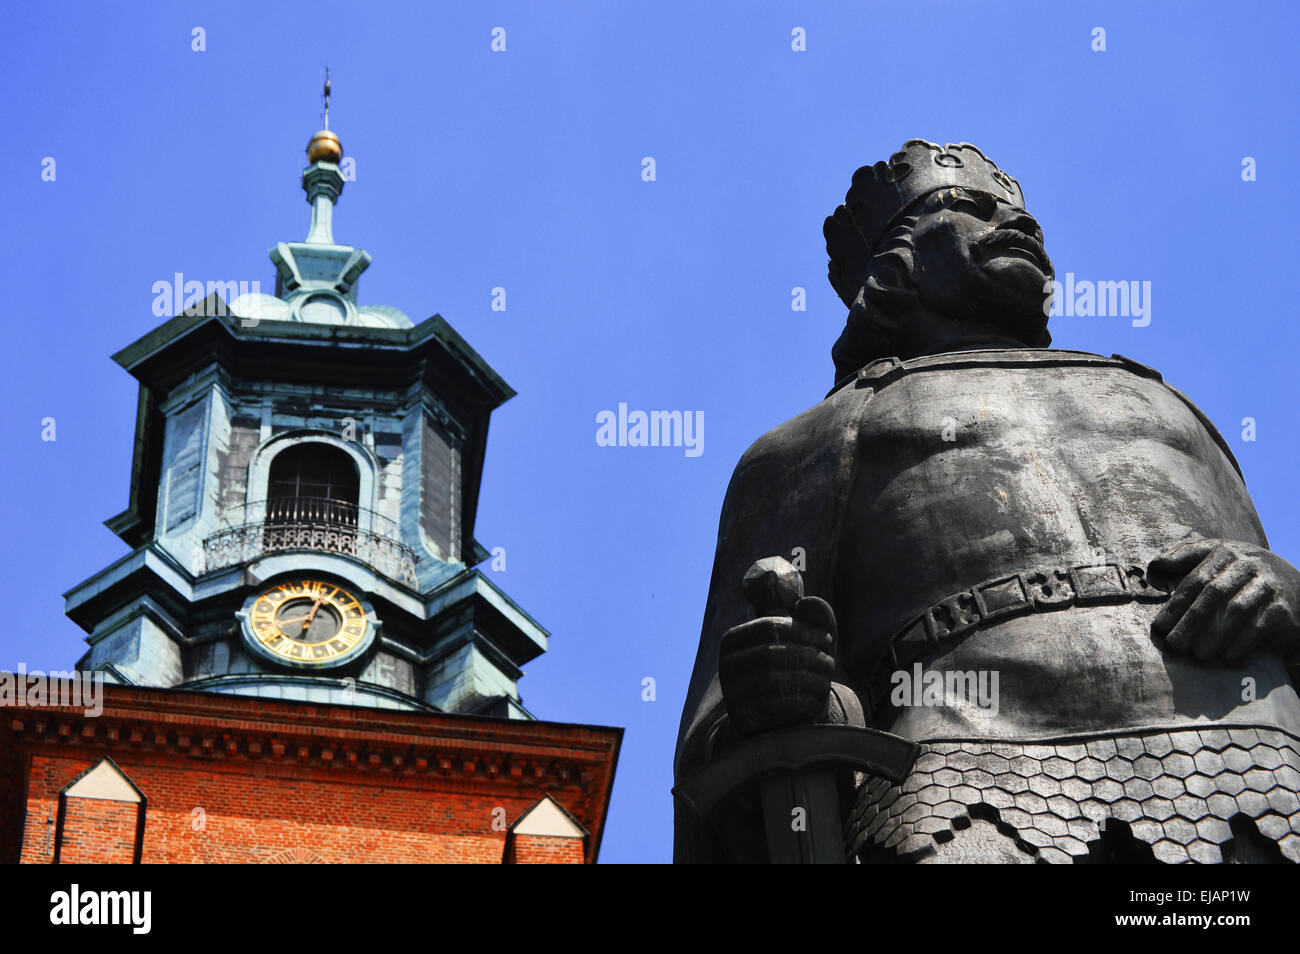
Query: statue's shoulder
882, 373
820, 437
821, 428
1147, 371
789, 493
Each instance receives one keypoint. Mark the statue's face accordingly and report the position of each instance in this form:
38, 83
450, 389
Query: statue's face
977, 256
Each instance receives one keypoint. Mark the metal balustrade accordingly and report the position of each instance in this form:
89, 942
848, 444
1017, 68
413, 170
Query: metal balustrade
310, 523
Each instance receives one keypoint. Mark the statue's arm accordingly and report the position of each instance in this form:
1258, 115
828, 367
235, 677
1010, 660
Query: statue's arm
783, 500
780, 502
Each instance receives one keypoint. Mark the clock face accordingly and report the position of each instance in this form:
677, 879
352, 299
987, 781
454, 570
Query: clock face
308, 623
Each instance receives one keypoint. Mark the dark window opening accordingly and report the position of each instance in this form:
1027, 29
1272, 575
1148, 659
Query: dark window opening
313, 484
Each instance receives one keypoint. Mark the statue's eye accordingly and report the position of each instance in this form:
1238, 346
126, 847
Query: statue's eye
978, 205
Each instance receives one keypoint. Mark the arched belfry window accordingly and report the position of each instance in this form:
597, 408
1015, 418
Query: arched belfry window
313, 483
310, 491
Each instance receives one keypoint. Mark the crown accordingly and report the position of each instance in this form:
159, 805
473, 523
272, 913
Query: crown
880, 195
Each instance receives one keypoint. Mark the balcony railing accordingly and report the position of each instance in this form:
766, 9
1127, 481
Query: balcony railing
310, 523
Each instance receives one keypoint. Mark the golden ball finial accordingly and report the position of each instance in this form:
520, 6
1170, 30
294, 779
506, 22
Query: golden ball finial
324, 147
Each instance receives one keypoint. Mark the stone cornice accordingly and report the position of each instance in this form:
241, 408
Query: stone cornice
397, 746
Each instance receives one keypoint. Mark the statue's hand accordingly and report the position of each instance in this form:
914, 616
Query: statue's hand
1233, 598
776, 670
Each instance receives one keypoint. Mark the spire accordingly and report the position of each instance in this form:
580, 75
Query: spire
322, 181
327, 96
316, 279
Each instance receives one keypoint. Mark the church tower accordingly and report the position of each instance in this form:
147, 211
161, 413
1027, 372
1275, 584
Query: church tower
298, 659
303, 497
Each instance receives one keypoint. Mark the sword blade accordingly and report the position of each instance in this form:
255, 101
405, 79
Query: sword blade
801, 817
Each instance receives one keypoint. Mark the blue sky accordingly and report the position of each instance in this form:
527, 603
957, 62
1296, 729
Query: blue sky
523, 169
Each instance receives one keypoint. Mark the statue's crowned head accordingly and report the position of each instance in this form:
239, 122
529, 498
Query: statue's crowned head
934, 249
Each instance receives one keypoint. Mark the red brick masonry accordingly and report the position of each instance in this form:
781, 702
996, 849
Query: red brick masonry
231, 779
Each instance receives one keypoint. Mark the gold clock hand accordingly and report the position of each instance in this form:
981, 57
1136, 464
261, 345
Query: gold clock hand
312, 615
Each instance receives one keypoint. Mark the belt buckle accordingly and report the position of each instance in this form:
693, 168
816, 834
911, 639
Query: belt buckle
1142, 589
954, 616
1050, 587
1005, 596
913, 641
1099, 583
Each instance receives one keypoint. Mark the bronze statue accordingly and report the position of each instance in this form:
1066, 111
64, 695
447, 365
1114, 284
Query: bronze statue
1036, 574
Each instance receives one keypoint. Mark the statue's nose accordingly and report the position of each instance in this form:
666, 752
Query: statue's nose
1019, 220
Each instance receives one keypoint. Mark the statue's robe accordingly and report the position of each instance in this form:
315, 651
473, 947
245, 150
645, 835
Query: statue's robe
919, 480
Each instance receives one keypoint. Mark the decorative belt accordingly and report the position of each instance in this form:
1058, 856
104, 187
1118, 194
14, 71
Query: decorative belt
1033, 591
